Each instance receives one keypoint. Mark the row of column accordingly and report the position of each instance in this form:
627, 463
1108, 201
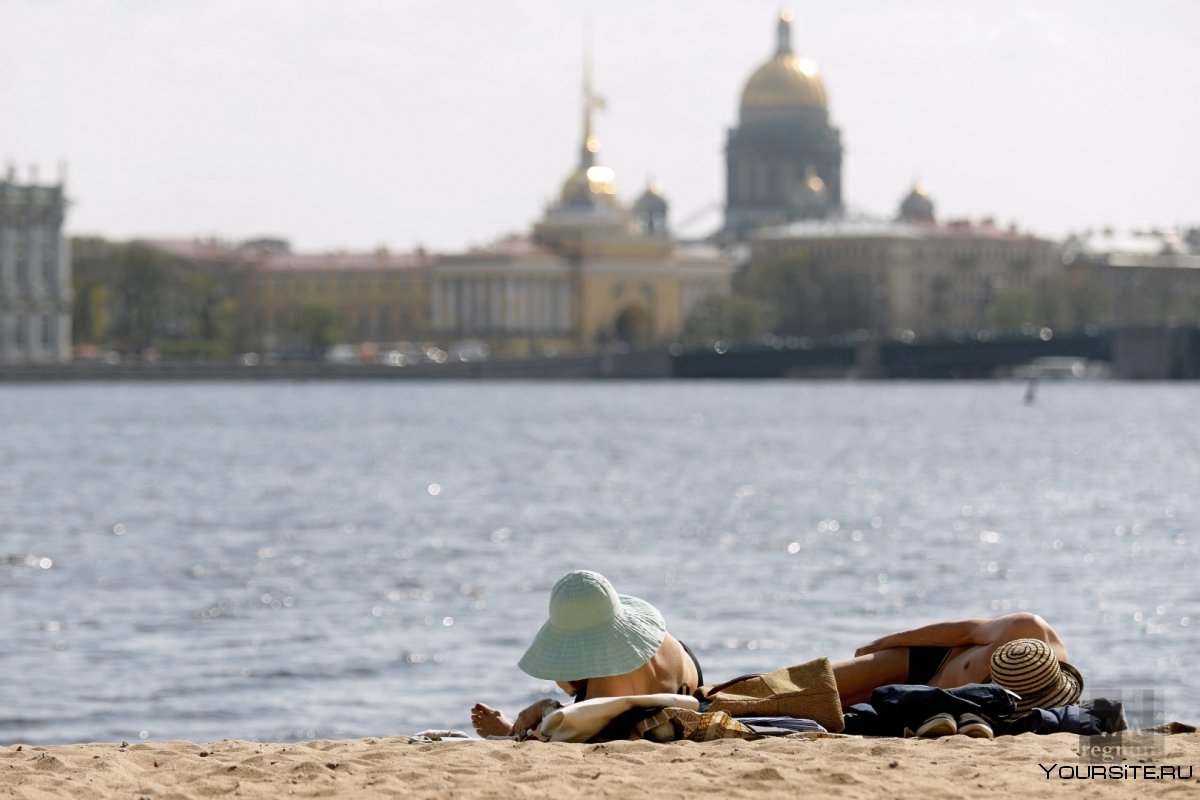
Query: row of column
489, 306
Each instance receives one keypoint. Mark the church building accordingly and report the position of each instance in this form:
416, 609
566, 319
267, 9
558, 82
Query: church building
784, 158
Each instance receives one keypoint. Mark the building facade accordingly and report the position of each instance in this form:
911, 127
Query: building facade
784, 158
1150, 277
378, 297
915, 274
523, 297
302, 302
35, 273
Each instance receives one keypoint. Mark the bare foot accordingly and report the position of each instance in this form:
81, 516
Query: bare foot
490, 721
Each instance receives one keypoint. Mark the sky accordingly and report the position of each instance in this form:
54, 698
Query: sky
354, 124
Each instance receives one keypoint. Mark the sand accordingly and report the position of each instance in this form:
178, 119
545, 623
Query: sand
401, 767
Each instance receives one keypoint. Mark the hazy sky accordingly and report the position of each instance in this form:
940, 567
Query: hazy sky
354, 123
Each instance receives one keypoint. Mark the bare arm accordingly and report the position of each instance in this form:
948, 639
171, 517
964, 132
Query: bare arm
939, 634
531, 717
971, 632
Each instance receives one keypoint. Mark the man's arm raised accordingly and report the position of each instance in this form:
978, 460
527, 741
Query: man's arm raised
971, 632
939, 634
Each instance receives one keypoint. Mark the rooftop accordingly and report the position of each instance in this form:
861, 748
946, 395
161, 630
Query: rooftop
275, 254
863, 226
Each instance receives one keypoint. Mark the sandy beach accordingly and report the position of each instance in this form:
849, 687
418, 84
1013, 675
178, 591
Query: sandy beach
844, 767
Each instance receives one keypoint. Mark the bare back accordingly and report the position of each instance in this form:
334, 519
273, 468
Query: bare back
668, 670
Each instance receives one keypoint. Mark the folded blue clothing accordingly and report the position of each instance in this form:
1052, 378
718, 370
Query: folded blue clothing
898, 707
781, 726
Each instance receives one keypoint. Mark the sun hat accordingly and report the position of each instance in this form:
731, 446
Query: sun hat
592, 632
1029, 668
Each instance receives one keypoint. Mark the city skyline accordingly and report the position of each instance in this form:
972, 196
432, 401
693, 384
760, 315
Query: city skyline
360, 124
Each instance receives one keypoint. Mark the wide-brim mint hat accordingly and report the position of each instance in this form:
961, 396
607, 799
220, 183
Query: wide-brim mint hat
592, 632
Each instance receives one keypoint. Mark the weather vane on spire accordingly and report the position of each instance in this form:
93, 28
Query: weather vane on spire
591, 102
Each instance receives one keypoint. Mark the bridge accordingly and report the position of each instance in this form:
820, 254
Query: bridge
1133, 352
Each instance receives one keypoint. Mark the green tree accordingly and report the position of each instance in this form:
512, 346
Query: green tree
320, 326
1012, 308
793, 290
90, 314
142, 292
132, 295
93, 277
731, 317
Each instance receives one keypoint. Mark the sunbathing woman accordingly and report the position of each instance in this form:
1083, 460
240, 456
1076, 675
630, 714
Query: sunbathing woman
596, 644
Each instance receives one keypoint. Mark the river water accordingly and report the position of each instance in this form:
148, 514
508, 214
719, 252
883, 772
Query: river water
289, 561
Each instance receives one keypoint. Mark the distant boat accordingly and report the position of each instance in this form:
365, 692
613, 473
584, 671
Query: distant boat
1062, 368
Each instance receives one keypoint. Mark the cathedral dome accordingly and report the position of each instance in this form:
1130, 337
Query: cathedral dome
917, 205
785, 81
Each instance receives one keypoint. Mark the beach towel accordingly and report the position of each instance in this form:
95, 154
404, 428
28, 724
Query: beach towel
580, 722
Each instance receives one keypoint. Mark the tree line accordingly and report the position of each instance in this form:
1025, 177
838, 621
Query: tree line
793, 296
135, 298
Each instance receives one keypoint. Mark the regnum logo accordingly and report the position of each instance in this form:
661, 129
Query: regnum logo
1138, 738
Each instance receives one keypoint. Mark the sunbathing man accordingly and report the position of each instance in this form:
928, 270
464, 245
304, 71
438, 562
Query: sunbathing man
1019, 651
596, 644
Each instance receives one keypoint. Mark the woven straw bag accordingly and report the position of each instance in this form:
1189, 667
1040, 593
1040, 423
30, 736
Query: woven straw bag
806, 691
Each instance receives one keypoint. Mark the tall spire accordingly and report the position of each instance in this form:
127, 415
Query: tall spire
783, 33
591, 102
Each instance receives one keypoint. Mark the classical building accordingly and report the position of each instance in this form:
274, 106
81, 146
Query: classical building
914, 273
1148, 277
35, 273
784, 158
594, 272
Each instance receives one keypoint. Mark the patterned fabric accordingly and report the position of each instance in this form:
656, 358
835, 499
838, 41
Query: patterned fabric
674, 724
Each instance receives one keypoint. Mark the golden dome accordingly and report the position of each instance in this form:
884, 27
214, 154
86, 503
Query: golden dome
786, 80
585, 180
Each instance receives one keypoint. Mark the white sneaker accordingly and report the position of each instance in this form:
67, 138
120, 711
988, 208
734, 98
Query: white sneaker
938, 725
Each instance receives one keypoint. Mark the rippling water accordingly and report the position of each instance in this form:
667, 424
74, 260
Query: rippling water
335, 560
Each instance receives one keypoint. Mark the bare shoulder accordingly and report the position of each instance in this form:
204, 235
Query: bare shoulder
1023, 625
677, 667
667, 670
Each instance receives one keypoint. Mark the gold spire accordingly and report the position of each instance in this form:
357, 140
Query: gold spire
783, 33
591, 102
589, 178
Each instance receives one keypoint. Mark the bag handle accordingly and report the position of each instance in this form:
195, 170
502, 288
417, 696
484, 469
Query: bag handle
701, 694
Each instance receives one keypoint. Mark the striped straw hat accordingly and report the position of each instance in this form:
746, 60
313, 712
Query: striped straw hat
1029, 668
